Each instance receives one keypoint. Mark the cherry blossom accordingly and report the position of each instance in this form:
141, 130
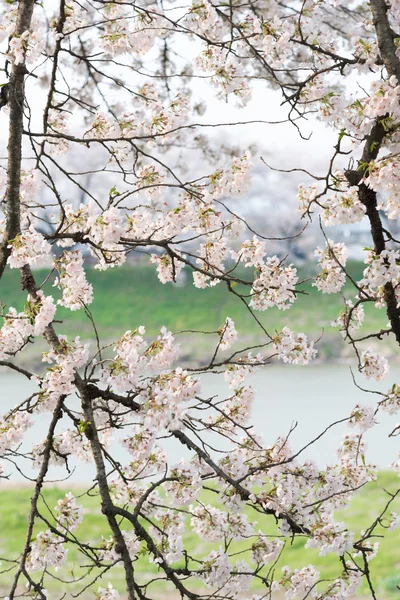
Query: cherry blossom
331, 259
373, 365
116, 152
294, 349
14, 333
362, 417
17, 47
394, 521
108, 593
109, 547
12, 429
185, 484
251, 252
382, 269
168, 268
69, 513
228, 334
29, 248
265, 550
46, 551
45, 314
302, 581
350, 319
217, 568
391, 402
274, 286
72, 281
344, 207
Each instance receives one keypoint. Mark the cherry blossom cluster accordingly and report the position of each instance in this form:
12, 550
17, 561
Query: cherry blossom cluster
18, 328
109, 550
331, 260
25, 46
123, 35
381, 270
125, 80
12, 429
8, 18
14, 333
226, 75
362, 417
251, 252
343, 207
60, 376
236, 374
300, 582
72, 281
69, 513
168, 268
228, 334
70, 442
135, 357
292, 348
274, 286
47, 551
373, 365
29, 248
58, 121
350, 319
108, 593
391, 402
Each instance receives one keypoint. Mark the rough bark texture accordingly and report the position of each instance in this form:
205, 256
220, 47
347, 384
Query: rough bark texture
107, 506
372, 146
16, 94
57, 414
385, 37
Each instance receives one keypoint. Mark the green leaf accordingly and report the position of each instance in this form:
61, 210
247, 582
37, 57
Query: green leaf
374, 144
83, 425
363, 166
113, 193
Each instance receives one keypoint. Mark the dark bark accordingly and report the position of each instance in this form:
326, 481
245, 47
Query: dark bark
385, 36
16, 95
57, 414
107, 506
372, 146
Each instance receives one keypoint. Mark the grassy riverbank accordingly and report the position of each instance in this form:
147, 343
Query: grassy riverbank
385, 568
132, 295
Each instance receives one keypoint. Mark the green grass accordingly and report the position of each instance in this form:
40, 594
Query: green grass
130, 296
385, 568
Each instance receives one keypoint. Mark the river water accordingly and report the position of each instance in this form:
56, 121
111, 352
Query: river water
312, 396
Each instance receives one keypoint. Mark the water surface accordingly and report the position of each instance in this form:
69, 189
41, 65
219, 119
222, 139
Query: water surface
312, 396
